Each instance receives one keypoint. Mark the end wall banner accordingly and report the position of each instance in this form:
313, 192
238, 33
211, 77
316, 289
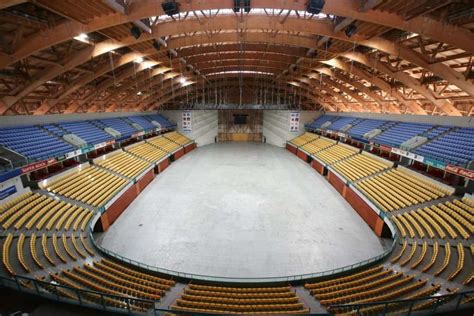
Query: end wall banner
187, 121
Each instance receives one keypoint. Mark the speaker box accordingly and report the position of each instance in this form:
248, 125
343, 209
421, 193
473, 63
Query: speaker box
135, 31
315, 6
170, 8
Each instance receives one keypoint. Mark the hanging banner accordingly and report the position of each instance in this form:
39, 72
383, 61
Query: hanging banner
187, 123
460, 171
294, 121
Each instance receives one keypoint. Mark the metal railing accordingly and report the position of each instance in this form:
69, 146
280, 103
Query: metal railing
430, 305
134, 306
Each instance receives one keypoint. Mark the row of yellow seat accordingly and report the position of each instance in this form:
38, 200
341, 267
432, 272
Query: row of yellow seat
228, 289
42, 209
373, 310
370, 285
177, 138
203, 298
164, 143
395, 189
121, 269
124, 164
434, 257
317, 145
335, 153
91, 185
111, 278
76, 282
303, 139
359, 166
440, 218
148, 152
14, 202
115, 284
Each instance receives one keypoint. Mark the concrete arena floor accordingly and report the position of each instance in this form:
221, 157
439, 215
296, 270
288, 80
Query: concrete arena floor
242, 210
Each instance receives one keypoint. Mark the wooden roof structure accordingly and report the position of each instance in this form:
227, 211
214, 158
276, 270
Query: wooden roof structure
78, 56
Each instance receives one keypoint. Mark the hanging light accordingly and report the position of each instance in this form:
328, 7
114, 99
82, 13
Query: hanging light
83, 37
139, 60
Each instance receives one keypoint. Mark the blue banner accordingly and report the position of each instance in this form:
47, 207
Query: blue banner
9, 175
7, 192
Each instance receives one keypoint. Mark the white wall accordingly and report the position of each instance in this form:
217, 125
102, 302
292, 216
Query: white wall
276, 125
463, 121
204, 125
21, 120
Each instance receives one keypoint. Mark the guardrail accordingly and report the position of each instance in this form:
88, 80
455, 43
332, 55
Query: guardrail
133, 306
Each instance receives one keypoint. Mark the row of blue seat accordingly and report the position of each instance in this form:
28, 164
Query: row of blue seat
445, 143
42, 142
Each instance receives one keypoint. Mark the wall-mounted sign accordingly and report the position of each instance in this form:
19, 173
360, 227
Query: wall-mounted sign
73, 154
187, 121
7, 192
138, 134
407, 154
434, 163
294, 121
38, 165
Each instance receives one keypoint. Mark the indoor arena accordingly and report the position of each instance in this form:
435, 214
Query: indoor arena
228, 157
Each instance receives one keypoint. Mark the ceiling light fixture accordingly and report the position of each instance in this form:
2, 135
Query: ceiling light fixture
83, 37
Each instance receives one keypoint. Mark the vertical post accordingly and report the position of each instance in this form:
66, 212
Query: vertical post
36, 287
410, 308
460, 296
79, 298
56, 291
102, 300
128, 306
435, 305
17, 283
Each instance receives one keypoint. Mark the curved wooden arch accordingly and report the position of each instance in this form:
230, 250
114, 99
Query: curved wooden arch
145, 8
197, 38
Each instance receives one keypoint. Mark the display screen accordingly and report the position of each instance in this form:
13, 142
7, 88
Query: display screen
240, 119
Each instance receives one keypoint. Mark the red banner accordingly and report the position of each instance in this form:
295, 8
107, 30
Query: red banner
385, 148
38, 165
460, 171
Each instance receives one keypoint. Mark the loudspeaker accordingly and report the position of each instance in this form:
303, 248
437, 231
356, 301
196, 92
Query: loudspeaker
247, 6
236, 6
170, 8
135, 31
350, 30
315, 6
156, 44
